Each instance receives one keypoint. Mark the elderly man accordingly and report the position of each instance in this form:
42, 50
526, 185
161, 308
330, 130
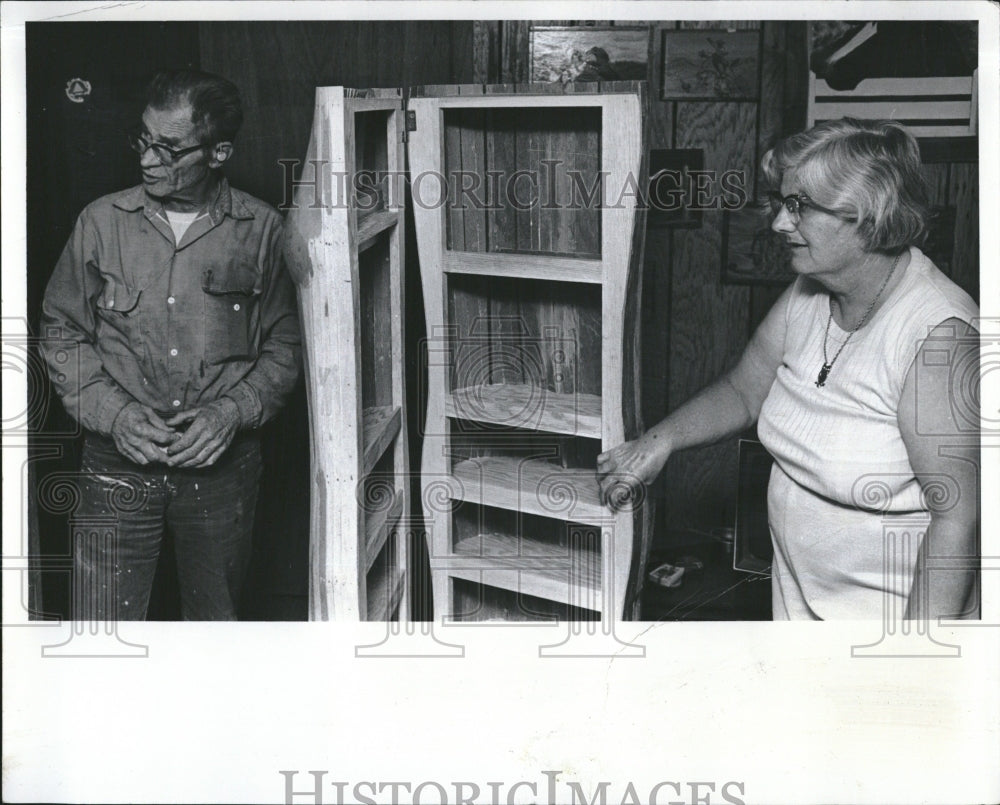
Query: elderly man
187, 340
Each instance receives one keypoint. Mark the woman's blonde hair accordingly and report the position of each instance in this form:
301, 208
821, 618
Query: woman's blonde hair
867, 169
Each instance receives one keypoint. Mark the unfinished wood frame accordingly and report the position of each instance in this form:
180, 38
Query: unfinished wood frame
344, 247
533, 352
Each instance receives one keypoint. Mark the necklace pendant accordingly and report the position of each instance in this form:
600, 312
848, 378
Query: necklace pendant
823, 374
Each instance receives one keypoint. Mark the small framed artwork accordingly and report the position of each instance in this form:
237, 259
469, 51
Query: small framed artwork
753, 550
710, 65
752, 253
670, 188
592, 53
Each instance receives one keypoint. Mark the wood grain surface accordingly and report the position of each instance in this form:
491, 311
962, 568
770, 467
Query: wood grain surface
351, 306
527, 406
532, 486
964, 196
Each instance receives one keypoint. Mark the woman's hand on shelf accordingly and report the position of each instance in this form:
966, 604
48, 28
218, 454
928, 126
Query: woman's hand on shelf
625, 472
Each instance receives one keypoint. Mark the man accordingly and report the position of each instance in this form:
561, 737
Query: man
187, 336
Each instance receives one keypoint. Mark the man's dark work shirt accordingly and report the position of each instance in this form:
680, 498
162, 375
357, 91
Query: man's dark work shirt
130, 315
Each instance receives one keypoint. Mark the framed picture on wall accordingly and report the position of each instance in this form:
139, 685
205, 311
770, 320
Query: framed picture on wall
710, 65
753, 254
670, 184
589, 53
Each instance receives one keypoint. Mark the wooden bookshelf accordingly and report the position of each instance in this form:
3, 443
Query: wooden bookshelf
532, 312
348, 260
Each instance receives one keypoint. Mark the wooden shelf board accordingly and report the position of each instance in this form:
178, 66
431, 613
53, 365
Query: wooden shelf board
382, 601
378, 526
524, 266
537, 95
524, 581
519, 405
381, 424
533, 486
373, 224
541, 568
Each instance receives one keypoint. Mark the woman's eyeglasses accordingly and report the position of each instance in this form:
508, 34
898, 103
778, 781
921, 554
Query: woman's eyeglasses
164, 153
796, 202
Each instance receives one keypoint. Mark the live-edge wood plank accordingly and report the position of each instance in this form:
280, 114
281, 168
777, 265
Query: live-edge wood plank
524, 266
532, 486
528, 407
534, 568
316, 239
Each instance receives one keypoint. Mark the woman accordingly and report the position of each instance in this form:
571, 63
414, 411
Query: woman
857, 379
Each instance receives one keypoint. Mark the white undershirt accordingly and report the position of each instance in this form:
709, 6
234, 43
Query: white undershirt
180, 221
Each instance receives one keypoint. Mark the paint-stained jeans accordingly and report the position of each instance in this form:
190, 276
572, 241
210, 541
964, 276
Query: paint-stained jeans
121, 519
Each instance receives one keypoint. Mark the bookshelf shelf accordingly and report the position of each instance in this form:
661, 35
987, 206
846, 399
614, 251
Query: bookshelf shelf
519, 405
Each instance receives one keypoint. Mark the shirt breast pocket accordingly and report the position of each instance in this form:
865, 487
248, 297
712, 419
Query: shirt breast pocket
232, 314
119, 327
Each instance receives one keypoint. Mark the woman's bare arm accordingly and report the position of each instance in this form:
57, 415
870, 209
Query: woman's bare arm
726, 407
939, 425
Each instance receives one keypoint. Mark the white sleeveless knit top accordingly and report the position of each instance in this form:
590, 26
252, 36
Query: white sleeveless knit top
842, 441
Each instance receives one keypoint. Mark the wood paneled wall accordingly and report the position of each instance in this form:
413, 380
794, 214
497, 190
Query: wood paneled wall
279, 65
694, 325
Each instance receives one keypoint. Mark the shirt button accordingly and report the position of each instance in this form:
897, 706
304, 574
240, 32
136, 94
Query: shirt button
111, 303
173, 352
170, 300
177, 403
236, 306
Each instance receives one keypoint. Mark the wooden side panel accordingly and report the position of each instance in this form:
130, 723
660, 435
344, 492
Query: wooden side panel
426, 153
318, 253
403, 471
622, 157
351, 306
